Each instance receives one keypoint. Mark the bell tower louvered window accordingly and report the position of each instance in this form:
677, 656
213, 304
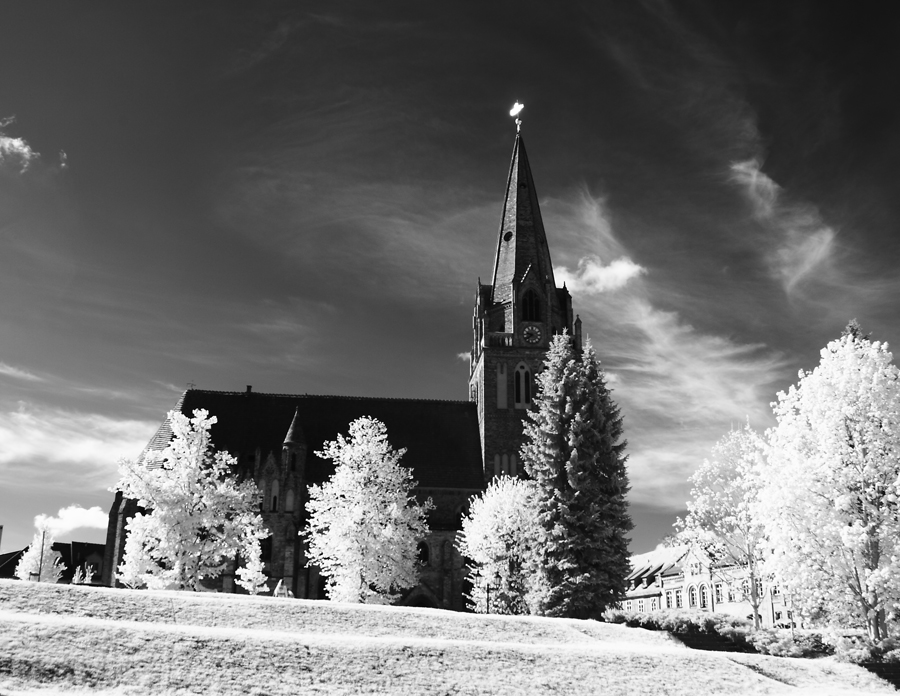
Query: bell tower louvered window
531, 306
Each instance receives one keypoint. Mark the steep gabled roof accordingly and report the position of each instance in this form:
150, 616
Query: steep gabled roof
442, 438
657, 562
522, 242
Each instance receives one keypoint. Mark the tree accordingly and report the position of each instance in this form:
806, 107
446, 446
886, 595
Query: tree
500, 536
830, 494
723, 519
364, 522
575, 453
200, 519
40, 554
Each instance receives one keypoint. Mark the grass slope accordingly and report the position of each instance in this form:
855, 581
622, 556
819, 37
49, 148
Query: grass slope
70, 639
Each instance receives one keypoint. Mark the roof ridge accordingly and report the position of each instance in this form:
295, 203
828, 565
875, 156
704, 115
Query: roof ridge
329, 396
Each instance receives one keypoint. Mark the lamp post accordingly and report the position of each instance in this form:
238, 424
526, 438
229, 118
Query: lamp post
41, 562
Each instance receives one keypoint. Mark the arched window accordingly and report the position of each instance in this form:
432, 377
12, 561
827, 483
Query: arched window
692, 597
531, 307
289, 502
424, 553
497, 470
513, 465
504, 464
704, 597
523, 386
274, 507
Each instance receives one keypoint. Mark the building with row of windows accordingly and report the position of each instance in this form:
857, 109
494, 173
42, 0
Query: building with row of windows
682, 577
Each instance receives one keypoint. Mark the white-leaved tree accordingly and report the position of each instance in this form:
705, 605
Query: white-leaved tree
40, 554
723, 518
364, 522
499, 537
831, 490
199, 521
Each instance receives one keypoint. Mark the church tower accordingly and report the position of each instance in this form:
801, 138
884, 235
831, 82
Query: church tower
514, 319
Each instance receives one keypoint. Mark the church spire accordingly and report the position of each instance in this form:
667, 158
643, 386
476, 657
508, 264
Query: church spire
522, 244
295, 432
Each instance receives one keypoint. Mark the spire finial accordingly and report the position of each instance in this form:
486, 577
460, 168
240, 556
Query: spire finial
517, 107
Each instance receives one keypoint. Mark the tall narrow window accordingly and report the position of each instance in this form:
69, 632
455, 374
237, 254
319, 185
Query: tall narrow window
274, 507
523, 386
497, 465
512, 465
289, 502
504, 466
501, 386
531, 307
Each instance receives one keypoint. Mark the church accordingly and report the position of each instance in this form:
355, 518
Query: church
453, 447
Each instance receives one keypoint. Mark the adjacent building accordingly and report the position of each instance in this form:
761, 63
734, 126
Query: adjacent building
682, 577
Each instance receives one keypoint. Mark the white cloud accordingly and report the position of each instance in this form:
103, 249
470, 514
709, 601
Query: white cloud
51, 447
15, 153
71, 518
19, 373
593, 277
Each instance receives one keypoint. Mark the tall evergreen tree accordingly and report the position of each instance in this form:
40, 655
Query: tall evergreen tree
575, 453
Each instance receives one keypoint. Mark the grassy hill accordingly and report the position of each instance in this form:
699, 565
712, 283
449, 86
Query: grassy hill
72, 639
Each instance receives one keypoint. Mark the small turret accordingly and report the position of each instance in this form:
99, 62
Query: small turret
294, 447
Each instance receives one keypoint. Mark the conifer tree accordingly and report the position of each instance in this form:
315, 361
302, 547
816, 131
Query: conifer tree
575, 453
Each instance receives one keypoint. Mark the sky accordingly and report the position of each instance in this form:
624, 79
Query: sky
302, 196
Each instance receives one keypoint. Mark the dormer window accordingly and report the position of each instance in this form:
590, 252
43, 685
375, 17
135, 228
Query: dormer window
531, 306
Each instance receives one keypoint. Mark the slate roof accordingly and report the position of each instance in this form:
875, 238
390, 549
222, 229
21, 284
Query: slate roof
522, 245
442, 438
657, 562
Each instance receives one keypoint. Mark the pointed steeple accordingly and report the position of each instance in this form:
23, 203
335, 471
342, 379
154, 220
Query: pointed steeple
522, 244
295, 432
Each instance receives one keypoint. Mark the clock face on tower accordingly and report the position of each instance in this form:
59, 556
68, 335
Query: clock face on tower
532, 334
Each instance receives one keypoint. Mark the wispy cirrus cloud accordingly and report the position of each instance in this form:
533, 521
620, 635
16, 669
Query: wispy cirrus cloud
804, 242
45, 446
19, 373
680, 388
